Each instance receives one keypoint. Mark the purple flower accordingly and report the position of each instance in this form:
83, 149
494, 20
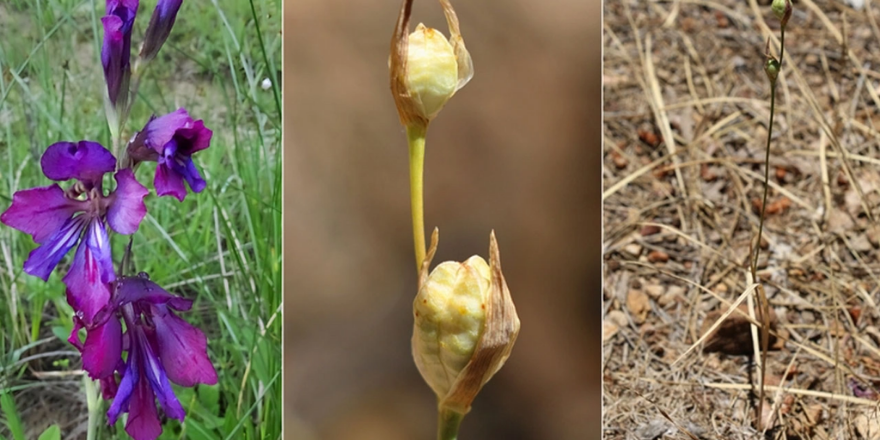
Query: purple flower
58, 220
162, 348
116, 51
159, 27
171, 140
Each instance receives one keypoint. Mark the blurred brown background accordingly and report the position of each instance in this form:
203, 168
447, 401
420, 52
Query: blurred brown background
516, 150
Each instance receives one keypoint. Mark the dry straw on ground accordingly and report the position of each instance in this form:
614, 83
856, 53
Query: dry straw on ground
686, 106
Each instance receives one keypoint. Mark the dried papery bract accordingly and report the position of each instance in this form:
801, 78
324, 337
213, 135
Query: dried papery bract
426, 68
465, 326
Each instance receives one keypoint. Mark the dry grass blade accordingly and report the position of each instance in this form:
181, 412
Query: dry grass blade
797, 391
657, 105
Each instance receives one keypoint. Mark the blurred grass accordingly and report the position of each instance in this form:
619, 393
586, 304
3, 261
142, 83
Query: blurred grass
221, 248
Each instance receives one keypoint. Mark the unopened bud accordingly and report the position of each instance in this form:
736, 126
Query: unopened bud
782, 10
771, 68
159, 28
426, 68
465, 326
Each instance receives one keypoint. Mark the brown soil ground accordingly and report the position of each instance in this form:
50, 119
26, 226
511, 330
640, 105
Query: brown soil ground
686, 115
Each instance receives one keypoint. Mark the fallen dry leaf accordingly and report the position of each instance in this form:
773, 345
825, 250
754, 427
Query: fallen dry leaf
780, 173
649, 137
868, 423
658, 257
839, 221
638, 304
609, 329
775, 207
674, 293
649, 230
633, 249
619, 161
655, 290
873, 234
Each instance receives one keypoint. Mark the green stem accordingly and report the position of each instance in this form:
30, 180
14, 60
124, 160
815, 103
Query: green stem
766, 182
93, 403
415, 135
767, 160
448, 423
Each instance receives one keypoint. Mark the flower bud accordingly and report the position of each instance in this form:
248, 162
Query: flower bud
426, 68
465, 326
159, 28
782, 10
771, 68
116, 55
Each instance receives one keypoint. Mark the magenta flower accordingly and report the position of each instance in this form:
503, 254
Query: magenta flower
58, 220
162, 348
171, 140
116, 51
159, 27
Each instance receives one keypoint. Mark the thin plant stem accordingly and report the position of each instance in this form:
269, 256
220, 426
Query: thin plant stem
767, 158
762, 297
448, 423
415, 135
766, 182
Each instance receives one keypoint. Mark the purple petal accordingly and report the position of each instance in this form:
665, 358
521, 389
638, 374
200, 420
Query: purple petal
74, 334
152, 368
42, 260
861, 391
86, 292
109, 387
194, 137
130, 379
127, 208
40, 212
103, 349
99, 244
159, 131
143, 418
160, 27
124, 9
188, 170
168, 182
135, 289
183, 350
85, 161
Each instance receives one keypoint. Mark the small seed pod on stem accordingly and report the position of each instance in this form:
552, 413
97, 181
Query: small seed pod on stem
782, 10
771, 68
465, 327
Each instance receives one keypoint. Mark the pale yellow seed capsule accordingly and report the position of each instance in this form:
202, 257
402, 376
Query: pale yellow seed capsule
426, 68
432, 70
450, 314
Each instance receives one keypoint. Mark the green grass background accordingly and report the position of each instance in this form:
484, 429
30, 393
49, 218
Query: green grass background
221, 248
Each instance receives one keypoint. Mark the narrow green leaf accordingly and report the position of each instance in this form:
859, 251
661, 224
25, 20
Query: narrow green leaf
13, 421
51, 433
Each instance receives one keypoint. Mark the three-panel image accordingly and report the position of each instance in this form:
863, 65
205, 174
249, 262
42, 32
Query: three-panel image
439, 219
